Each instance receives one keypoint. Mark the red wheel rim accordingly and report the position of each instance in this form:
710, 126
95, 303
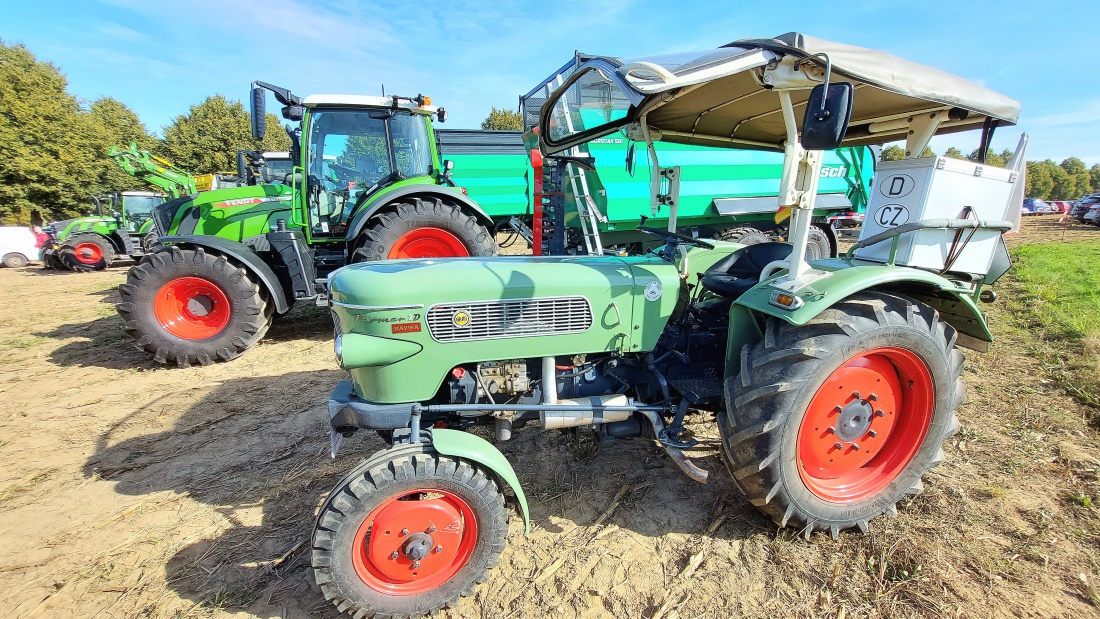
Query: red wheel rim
865, 424
428, 243
88, 253
192, 308
433, 530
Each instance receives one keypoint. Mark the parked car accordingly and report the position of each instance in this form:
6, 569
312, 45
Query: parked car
1034, 206
17, 246
1082, 206
1061, 206
1093, 215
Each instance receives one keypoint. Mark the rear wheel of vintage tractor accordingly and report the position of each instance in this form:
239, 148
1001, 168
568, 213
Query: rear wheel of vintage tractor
86, 252
408, 532
829, 424
187, 306
425, 228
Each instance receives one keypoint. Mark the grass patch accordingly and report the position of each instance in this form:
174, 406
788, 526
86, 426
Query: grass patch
1059, 300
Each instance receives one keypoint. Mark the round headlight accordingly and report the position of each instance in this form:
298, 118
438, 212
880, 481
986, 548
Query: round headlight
338, 345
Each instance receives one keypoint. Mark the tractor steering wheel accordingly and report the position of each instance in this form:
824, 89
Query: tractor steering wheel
675, 238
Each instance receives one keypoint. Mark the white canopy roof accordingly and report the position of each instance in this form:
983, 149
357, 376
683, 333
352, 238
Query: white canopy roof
725, 95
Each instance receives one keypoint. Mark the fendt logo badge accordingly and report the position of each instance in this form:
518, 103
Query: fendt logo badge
890, 215
460, 318
896, 186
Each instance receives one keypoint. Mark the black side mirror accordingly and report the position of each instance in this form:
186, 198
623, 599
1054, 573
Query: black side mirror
828, 111
631, 152
441, 114
259, 113
242, 166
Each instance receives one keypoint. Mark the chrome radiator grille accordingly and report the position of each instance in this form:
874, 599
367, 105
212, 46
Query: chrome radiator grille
486, 320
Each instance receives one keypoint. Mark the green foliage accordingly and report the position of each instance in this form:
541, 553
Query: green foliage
1094, 178
1039, 180
954, 153
1065, 185
206, 139
991, 158
502, 119
893, 152
897, 153
1074, 166
117, 124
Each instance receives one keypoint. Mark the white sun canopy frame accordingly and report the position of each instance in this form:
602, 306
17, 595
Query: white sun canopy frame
752, 94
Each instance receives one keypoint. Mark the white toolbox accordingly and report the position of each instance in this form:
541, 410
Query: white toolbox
910, 190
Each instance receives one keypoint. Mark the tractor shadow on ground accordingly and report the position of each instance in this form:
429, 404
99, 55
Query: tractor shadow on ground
256, 450
304, 321
100, 342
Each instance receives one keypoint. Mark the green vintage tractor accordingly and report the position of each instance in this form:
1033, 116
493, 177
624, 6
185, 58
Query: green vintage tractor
367, 184
833, 383
121, 225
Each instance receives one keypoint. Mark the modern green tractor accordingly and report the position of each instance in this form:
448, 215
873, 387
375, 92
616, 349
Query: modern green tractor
833, 383
121, 226
367, 184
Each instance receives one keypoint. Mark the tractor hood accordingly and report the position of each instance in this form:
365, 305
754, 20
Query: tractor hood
452, 311
726, 96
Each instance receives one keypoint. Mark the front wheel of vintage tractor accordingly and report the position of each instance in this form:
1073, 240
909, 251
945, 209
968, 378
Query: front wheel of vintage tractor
188, 306
829, 424
86, 252
425, 228
408, 532
819, 246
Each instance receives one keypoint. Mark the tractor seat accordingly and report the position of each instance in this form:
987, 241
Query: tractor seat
731, 276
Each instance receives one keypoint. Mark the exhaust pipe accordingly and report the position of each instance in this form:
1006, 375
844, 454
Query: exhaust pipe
589, 411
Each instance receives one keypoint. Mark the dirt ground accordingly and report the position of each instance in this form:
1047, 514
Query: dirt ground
133, 490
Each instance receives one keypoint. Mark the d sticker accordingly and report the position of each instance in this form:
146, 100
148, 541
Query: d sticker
460, 318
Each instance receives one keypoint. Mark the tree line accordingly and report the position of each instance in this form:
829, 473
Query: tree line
53, 146
1046, 180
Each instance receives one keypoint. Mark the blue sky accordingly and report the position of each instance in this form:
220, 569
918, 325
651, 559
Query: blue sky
161, 56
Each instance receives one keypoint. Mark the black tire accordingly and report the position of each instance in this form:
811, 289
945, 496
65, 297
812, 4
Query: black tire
389, 228
820, 245
77, 252
149, 241
15, 260
377, 482
249, 311
745, 236
780, 375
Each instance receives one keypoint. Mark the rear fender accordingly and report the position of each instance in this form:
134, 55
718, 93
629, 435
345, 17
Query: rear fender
243, 255
956, 305
459, 444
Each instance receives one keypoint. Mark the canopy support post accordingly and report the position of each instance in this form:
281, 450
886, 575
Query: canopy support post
798, 189
921, 129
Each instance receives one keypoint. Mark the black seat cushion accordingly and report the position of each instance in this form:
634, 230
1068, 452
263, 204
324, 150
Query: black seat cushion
731, 276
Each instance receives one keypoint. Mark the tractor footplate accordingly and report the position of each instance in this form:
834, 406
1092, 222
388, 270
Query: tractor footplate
686, 465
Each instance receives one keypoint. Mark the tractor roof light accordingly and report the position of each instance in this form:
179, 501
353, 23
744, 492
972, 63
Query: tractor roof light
425, 101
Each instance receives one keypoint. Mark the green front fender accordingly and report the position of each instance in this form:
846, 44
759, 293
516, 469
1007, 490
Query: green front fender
956, 305
464, 445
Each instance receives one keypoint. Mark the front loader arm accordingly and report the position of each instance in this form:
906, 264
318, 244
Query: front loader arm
148, 167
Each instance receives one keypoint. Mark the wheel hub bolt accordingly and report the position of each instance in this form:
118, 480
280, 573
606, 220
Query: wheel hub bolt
437, 549
404, 531
855, 394
855, 446
831, 430
872, 433
838, 445
872, 397
431, 528
394, 554
416, 565
879, 413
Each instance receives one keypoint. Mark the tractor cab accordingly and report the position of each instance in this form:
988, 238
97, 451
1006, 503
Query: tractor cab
135, 208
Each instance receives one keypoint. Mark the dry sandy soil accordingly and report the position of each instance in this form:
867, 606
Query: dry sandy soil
133, 490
